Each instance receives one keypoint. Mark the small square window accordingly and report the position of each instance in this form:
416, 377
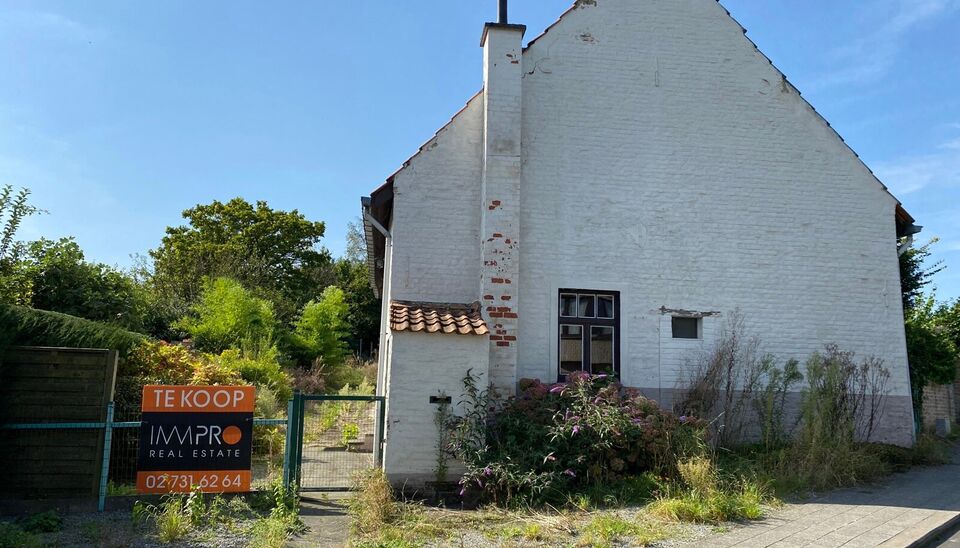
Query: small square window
686, 328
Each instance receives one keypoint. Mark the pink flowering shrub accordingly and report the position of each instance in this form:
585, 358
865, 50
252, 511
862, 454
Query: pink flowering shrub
554, 439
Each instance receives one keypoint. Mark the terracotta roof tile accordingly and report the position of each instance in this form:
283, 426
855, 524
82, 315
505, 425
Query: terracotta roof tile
456, 318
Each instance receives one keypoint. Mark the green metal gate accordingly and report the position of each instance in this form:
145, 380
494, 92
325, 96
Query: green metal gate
331, 437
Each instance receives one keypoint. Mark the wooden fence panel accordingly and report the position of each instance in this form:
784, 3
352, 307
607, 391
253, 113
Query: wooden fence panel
53, 385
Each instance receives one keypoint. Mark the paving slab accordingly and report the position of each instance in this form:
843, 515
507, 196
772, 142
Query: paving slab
905, 510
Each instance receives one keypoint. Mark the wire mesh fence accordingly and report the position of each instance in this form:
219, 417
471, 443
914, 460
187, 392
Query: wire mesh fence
331, 438
339, 440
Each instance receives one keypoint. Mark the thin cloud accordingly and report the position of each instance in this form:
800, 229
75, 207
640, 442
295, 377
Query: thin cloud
908, 175
48, 24
951, 145
870, 58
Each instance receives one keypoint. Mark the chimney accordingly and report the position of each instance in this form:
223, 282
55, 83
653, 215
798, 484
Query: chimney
500, 192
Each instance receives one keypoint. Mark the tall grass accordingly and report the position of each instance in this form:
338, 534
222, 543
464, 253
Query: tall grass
703, 496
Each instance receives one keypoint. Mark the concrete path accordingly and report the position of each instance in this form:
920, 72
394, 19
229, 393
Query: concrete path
906, 510
326, 518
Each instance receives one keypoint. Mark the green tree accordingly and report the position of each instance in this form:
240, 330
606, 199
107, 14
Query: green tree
274, 253
14, 208
363, 308
353, 277
322, 327
915, 274
228, 316
948, 317
62, 280
931, 352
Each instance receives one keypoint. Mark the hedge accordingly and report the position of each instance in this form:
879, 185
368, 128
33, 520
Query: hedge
21, 326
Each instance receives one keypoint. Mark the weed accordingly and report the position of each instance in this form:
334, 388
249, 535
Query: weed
171, 520
704, 498
12, 536
374, 505
607, 529
349, 433
274, 530
120, 489
44, 522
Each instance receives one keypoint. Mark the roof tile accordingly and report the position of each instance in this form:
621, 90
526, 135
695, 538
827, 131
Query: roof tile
458, 318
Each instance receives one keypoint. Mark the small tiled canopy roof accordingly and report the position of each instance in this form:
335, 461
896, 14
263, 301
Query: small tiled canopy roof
463, 319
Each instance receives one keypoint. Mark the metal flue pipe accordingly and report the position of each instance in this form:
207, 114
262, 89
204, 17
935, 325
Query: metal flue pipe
502, 13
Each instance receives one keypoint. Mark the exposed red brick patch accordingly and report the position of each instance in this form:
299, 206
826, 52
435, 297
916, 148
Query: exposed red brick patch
497, 235
496, 338
509, 338
505, 298
496, 202
503, 343
507, 281
497, 281
503, 309
488, 297
511, 315
496, 315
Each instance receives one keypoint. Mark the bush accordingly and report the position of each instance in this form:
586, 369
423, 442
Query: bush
552, 440
308, 381
261, 369
322, 328
227, 316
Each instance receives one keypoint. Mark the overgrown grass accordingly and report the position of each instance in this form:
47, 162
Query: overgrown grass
798, 468
608, 529
178, 516
379, 519
704, 497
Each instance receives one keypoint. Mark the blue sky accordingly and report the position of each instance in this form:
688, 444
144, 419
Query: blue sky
121, 114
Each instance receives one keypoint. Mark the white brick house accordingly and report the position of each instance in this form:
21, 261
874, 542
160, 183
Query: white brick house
617, 187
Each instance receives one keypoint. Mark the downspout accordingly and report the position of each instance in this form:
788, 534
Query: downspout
382, 374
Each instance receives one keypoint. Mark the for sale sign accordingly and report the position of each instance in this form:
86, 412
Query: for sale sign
195, 436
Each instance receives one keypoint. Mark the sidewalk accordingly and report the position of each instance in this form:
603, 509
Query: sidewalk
902, 511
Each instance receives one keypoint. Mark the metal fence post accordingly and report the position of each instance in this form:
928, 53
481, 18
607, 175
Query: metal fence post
298, 440
105, 468
288, 444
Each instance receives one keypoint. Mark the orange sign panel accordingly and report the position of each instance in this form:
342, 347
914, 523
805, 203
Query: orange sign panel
198, 399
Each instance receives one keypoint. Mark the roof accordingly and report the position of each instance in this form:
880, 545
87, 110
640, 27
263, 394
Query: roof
442, 318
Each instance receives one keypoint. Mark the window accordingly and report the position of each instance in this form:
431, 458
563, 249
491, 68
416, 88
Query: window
685, 327
589, 329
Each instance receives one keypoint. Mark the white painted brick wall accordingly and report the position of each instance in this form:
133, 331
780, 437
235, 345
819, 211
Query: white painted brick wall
436, 223
424, 365
665, 158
